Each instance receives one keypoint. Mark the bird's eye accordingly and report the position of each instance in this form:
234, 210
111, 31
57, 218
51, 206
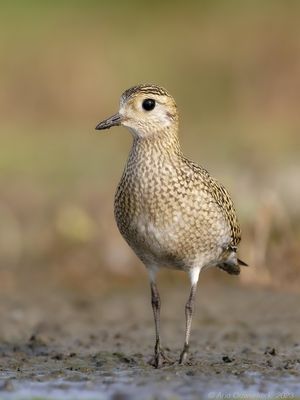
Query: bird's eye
148, 104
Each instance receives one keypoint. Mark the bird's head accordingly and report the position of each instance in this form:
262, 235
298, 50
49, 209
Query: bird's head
146, 110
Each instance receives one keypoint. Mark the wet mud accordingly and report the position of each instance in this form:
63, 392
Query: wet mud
245, 343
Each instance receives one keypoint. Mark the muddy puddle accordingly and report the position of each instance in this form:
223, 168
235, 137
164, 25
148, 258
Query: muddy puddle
245, 344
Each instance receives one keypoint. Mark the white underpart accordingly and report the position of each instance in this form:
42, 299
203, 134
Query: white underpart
194, 275
159, 237
152, 271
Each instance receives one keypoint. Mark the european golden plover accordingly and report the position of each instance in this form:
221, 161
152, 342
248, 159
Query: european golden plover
170, 211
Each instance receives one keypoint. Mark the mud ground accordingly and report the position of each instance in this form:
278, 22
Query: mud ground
65, 345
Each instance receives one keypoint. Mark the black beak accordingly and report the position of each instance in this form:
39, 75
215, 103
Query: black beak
115, 120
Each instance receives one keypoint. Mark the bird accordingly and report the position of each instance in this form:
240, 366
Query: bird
170, 210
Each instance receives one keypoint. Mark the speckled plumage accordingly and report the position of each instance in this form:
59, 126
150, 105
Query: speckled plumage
170, 210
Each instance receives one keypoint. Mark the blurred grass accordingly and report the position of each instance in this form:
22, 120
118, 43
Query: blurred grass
233, 68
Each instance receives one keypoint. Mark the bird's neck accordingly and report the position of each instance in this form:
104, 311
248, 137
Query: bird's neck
164, 145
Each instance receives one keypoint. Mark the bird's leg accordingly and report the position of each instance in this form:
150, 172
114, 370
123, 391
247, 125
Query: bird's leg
155, 301
159, 357
189, 309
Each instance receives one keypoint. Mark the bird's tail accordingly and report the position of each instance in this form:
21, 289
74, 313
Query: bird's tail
231, 263
241, 262
232, 269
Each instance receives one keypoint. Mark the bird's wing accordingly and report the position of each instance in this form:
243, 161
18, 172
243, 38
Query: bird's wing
222, 199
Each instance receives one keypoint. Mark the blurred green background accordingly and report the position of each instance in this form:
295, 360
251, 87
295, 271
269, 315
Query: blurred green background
233, 68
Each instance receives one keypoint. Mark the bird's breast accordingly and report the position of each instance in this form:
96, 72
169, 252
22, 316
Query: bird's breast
167, 215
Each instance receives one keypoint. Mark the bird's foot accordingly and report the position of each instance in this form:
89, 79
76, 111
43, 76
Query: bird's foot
184, 354
159, 359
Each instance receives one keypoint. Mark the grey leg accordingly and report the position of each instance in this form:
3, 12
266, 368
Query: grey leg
159, 357
155, 301
189, 309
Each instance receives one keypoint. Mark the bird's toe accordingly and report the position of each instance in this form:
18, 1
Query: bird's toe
160, 359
